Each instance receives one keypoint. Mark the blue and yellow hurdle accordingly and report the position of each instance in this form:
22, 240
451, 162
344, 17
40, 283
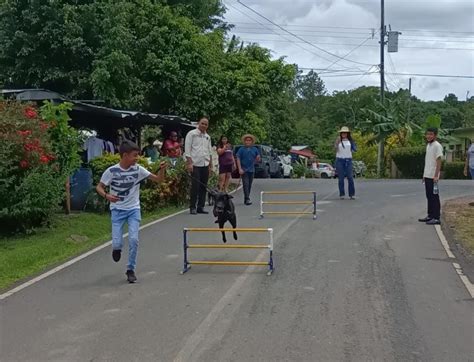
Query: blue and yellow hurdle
308, 202
186, 246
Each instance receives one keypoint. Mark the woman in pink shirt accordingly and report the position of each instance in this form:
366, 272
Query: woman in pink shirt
171, 147
226, 163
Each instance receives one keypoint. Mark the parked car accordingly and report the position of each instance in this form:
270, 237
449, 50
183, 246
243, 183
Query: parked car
286, 165
269, 165
324, 170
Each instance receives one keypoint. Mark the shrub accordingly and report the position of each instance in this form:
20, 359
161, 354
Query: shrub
300, 170
173, 191
454, 170
410, 161
32, 174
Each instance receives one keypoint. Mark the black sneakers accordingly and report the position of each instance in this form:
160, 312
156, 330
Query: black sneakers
248, 202
116, 254
193, 211
131, 277
202, 211
433, 222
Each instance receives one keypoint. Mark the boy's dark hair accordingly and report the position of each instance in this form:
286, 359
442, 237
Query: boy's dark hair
127, 147
432, 129
204, 116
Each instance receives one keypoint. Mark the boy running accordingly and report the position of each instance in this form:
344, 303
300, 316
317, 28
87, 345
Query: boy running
124, 179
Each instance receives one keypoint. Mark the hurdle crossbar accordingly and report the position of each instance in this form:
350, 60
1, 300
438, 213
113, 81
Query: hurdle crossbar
186, 246
273, 202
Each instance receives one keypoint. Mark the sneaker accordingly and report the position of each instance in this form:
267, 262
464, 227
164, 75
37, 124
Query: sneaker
248, 202
193, 211
131, 277
352, 198
425, 219
202, 211
341, 197
116, 254
433, 222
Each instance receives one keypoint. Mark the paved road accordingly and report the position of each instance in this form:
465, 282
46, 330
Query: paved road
365, 281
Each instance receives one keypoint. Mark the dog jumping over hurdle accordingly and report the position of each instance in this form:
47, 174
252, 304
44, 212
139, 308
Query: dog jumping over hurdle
224, 211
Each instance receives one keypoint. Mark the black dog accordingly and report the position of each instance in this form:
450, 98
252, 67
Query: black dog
224, 211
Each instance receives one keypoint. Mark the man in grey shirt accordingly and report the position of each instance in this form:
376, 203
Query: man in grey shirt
197, 150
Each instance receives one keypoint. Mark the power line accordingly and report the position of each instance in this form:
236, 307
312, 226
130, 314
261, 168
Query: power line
298, 37
411, 74
365, 28
351, 44
404, 38
349, 53
280, 35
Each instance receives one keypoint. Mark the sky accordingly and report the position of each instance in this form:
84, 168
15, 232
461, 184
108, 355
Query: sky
437, 38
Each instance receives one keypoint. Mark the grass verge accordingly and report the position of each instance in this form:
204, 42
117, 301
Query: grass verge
459, 215
22, 256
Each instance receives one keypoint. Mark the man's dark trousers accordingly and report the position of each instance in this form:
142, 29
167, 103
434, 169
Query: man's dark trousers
434, 206
198, 187
247, 179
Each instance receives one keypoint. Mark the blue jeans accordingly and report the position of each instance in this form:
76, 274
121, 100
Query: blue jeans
471, 169
132, 218
344, 169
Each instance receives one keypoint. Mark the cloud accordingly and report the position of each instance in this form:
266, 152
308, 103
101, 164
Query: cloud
339, 26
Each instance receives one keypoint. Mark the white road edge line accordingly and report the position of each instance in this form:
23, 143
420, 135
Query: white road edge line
467, 283
83, 256
444, 242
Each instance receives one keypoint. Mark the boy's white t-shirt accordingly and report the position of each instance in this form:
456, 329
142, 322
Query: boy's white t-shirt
434, 150
125, 184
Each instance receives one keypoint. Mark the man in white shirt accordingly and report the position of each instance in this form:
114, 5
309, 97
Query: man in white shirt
434, 153
197, 150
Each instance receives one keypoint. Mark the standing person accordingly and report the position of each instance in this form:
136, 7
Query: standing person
247, 156
171, 147
124, 181
150, 150
197, 149
469, 161
344, 146
434, 152
226, 163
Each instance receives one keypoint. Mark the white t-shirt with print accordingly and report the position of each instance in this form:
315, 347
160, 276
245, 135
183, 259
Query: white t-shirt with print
125, 184
434, 150
470, 152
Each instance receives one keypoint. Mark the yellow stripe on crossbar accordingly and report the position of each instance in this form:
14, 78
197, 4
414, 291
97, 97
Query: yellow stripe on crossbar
227, 263
287, 192
242, 230
288, 202
288, 212
218, 246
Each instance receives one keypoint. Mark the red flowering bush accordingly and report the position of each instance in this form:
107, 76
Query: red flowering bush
32, 172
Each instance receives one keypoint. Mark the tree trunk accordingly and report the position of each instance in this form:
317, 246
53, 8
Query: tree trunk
380, 158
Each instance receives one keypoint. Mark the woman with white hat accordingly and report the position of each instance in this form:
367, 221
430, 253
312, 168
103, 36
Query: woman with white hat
344, 147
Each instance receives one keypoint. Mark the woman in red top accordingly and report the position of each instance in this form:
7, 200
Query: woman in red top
171, 147
226, 163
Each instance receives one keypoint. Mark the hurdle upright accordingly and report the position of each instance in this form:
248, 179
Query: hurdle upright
187, 263
308, 202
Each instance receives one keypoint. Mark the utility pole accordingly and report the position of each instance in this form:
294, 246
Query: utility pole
381, 146
409, 86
